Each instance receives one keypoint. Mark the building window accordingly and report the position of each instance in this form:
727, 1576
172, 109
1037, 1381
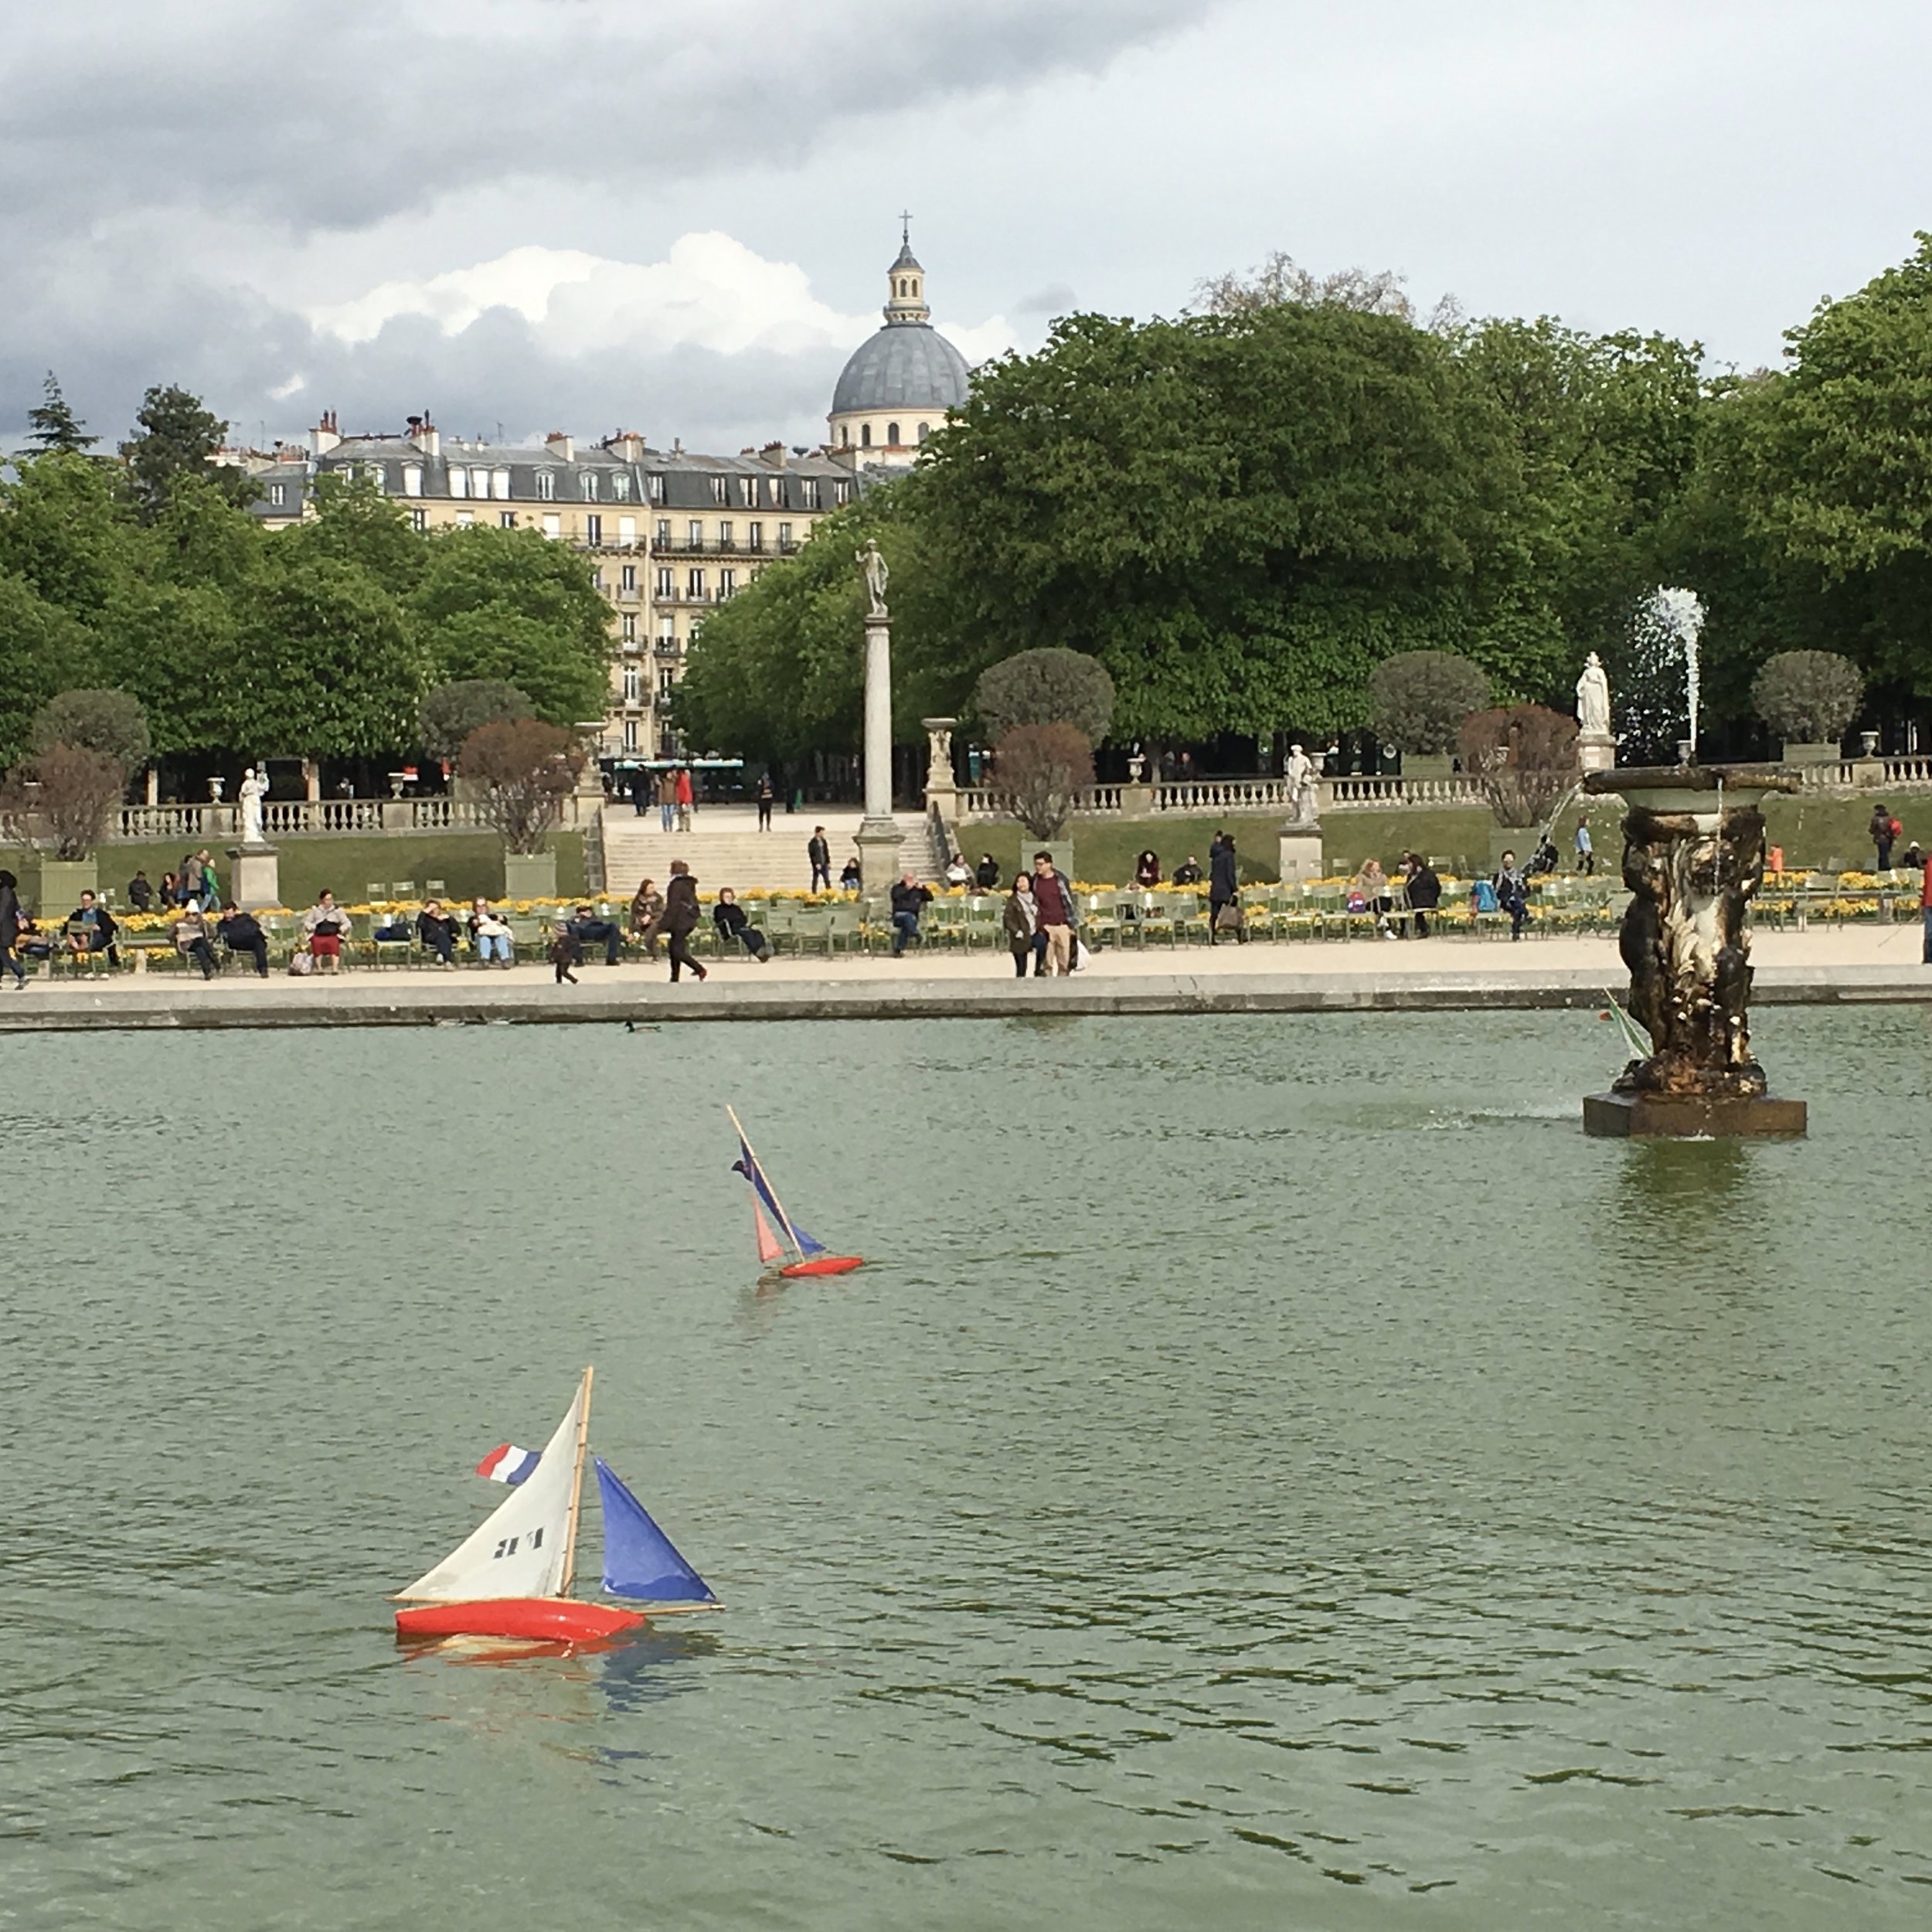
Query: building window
626, 532
546, 486
664, 529
727, 584
892, 435
668, 631
667, 582
925, 431
465, 519
751, 492
754, 536
589, 482
864, 436
694, 584
620, 485
630, 622
596, 582
627, 579
656, 487
553, 525
784, 537
412, 479
694, 534
633, 685
667, 678
594, 530
630, 735
841, 492
810, 486
845, 435
720, 490
506, 519
419, 520
459, 481
373, 472
277, 494
724, 534
500, 485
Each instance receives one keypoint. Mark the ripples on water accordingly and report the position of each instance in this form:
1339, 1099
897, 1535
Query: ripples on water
1276, 1472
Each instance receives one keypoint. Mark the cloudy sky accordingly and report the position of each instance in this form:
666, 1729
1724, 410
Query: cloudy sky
586, 214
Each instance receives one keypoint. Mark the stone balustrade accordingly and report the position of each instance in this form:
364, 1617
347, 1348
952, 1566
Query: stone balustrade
1211, 797
300, 817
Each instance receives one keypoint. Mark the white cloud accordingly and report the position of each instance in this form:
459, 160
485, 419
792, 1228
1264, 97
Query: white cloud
710, 292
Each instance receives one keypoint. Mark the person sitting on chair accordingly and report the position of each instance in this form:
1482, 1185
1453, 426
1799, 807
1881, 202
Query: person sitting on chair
191, 940
587, 929
909, 900
730, 918
437, 931
241, 932
849, 879
91, 928
1189, 871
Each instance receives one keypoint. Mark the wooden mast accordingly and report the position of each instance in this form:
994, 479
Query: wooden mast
791, 1233
576, 1486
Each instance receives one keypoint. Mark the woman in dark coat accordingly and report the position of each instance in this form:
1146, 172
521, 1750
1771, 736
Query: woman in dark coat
10, 930
680, 919
1224, 889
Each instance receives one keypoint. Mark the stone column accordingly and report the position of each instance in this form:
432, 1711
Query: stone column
877, 836
254, 876
1300, 845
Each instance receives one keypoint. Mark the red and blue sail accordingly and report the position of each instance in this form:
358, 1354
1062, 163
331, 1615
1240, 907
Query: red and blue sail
747, 1164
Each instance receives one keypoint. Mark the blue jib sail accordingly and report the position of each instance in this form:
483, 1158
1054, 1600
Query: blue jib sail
747, 1164
639, 1560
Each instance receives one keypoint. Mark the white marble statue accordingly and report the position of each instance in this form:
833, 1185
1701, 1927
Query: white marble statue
877, 576
1592, 700
1300, 772
252, 791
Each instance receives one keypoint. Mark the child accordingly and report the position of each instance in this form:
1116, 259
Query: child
565, 953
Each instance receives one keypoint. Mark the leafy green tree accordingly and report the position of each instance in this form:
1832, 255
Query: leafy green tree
176, 648
64, 529
325, 667
200, 537
43, 650
511, 606
1419, 699
452, 712
179, 435
355, 523
54, 427
1045, 687
111, 723
1809, 696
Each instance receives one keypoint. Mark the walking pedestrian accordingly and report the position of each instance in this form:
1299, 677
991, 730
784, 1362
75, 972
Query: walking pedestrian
1054, 902
1925, 907
766, 796
10, 930
207, 893
1586, 850
1020, 918
819, 852
667, 799
1224, 885
1425, 890
686, 795
1512, 894
1885, 830
566, 951
680, 919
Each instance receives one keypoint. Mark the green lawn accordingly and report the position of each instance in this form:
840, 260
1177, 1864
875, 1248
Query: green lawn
467, 863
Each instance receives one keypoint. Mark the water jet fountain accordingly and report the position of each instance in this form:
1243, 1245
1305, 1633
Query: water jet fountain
1693, 859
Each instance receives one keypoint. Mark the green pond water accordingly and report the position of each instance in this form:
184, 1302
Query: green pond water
1276, 1472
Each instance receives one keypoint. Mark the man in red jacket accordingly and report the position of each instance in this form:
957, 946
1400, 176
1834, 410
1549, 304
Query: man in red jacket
1053, 899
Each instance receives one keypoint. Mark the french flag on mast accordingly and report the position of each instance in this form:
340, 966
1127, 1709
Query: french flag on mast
507, 1463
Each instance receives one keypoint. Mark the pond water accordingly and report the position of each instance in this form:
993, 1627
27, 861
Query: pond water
1275, 1472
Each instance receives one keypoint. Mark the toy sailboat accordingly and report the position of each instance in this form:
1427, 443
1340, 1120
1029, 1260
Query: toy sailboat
808, 1256
511, 1576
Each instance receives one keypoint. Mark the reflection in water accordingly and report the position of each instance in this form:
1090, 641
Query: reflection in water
1271, 1469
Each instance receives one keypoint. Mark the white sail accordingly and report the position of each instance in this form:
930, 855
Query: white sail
521, 1548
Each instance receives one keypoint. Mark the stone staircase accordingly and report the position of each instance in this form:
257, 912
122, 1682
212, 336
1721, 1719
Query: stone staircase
724, 847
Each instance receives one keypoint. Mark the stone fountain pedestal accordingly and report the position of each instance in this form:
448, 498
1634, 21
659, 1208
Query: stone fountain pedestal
1693, 858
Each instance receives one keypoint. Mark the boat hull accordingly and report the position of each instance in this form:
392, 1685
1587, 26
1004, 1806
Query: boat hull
542, 1619
824, 1264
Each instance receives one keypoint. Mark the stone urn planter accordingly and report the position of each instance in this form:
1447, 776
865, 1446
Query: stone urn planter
529, 875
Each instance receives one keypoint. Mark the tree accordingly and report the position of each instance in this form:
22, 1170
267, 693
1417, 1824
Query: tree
452, 712
177, 649
72, 791
179, 437
1419, 699
1042, 767
355, 523
1279, 280
1808, 696
43, 650
54, 426
67, 533
109, 722
325, 668
1048, 686
525, 769
510, 606
1524, 758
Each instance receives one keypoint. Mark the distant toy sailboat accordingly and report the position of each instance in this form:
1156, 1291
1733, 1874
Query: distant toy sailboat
809, 1257
511, 1576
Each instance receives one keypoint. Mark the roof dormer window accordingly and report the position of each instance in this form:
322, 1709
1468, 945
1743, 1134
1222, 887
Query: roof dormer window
546, 485
590, 482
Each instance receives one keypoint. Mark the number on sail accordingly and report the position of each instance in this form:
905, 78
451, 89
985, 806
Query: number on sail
507, 1547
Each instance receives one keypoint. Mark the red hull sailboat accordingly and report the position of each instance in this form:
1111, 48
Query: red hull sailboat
808, 1256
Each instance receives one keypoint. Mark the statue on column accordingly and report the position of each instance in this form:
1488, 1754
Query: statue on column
876, 575
1592, 700
1300, 772
252, 791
